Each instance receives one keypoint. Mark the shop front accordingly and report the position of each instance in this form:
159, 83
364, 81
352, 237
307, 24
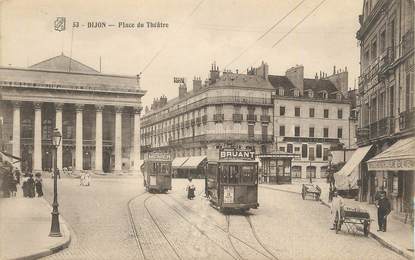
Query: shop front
276, 167
396, 164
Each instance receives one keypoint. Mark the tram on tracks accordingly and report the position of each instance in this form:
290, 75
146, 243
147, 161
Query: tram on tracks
157, 172
232, 180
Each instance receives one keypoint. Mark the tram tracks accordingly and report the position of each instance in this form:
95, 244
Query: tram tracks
133, 226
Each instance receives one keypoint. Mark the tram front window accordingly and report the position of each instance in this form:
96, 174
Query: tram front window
248, 174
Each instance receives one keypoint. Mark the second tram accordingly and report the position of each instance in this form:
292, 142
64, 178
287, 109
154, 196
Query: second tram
157, 172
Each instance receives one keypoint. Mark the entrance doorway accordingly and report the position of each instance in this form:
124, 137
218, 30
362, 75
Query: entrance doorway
47, 159
106, 161
87, 160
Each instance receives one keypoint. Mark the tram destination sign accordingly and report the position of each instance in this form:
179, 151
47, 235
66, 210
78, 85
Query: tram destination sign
159, 156
236, 154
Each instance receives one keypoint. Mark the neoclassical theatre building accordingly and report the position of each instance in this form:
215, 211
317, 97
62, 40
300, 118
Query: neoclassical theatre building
98, 115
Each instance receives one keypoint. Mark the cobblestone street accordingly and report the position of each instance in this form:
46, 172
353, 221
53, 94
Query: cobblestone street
169, 226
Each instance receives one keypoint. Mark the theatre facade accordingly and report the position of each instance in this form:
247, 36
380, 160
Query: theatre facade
98, 115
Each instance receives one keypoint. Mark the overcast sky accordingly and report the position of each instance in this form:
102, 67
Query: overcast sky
217, 30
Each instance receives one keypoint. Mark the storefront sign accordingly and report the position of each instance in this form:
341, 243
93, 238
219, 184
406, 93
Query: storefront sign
236, 154
159, 156
228, 194
391, 165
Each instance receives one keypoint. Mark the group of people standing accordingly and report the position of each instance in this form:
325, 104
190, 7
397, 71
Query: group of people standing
11, 178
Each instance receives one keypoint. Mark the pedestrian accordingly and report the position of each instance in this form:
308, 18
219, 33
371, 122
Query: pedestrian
384, 208
82, 179
17, 175
12, 185
58, 173
25, 186
206, 186
39, 184
190, 189
87, 178
31, 186
335, 209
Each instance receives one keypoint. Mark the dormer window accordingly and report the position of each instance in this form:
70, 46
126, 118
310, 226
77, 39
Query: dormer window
280, 92
339, 96
325, 95
296, 93
310, 93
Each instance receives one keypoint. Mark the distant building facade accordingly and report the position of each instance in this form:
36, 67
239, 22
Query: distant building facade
98, 115
258, 111
386, 101
311, 117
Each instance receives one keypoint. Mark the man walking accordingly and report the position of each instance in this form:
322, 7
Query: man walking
336, 205
384, 208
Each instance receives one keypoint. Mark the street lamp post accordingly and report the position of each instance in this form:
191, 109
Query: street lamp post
330, 174
55, 230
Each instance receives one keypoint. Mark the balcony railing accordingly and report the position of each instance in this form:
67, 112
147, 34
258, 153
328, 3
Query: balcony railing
381, 128
218, 118
265, 118
237, 117
406, 120
251, 118
231, 137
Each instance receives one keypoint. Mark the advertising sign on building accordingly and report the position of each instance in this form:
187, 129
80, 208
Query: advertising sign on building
159, 156
236, 154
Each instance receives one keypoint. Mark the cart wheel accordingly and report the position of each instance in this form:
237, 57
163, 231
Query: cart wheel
366, 228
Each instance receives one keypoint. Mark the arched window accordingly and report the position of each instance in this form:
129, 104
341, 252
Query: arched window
47, 129
27, 128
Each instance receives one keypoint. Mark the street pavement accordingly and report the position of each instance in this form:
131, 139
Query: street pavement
168, 226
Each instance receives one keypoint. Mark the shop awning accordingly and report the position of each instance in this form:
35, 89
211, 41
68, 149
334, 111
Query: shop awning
399, 157
348, 175
178, 162
193, 162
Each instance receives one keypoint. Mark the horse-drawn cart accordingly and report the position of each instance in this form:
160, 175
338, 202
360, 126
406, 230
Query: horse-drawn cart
352, 218
311, 190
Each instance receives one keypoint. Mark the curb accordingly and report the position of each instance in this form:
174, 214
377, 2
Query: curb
383, 242
54, 248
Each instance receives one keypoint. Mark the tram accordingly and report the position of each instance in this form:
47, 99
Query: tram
157, 172
232, 181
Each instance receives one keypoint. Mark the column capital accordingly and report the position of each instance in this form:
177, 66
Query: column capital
99, 107
59, 106
79, 107
17, 104
37, 105
119, 109
137, 109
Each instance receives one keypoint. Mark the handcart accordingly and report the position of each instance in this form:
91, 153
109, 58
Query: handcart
352, 218
311, 190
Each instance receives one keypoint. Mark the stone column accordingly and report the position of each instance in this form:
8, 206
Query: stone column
98, 139
79, 138
136, 140
118, 140
37, 141
58, 125
16, 131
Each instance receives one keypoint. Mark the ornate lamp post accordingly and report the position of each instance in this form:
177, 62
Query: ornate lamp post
55, 230
330, 174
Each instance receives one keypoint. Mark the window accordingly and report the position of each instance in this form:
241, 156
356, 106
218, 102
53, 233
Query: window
318, 150
326, 113
251, 130
366, 58
289, 148
281, 92
382, 105
282, 111
27, 128
311, 154
325, 154
311, 132
296, 92
251, 110
374, 49
311, 112
310, 93
237, 109
218, 109
264, 131
297, 111
382, 42
264, 111
324, 94
326, 132
282, 149
282, 130
339, 133
373, 111
339, 113
304, 150
297, 131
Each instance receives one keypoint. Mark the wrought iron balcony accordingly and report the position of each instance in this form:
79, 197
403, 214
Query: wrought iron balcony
218, 118
237, 117
251, 118
265, 118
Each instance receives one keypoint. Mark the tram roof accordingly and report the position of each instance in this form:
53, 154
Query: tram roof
233, 161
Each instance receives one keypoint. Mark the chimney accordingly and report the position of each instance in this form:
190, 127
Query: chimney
334, 69
197, 84
296, 76
214, 73
182, 90
340, 80
316, 76
262, 70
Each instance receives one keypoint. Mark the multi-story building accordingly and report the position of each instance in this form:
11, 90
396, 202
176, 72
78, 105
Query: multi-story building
257, 110
98, 115
386, 101
312, 116
229, 108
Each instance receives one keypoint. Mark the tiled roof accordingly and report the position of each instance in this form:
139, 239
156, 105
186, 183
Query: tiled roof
63, 63
281, 81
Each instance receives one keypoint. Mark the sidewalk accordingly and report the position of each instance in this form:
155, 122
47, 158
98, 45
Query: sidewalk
399, 236
24, 229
